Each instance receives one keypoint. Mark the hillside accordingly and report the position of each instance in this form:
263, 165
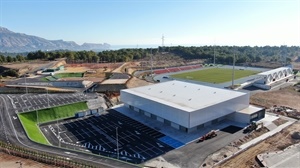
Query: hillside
19, 42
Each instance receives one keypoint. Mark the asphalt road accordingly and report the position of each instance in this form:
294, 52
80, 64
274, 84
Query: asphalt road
12, 132
193, 155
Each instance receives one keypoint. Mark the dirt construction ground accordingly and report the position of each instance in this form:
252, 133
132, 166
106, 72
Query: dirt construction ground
284, 97
275, 143
8, 161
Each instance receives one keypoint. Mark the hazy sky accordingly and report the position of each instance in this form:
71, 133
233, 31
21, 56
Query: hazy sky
140, 22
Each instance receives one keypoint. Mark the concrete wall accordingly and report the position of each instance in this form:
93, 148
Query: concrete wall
172, 114
240, 117
218, 110
186, 119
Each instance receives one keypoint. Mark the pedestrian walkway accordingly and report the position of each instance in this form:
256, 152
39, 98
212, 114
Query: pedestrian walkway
171, 142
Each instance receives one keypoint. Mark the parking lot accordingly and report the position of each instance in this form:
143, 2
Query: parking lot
30, 102
111, 134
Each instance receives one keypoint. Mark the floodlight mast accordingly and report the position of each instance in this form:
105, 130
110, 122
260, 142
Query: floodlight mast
214, 56
151, 61
233, 64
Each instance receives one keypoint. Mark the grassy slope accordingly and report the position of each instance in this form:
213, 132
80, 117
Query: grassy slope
214, 75
29, 119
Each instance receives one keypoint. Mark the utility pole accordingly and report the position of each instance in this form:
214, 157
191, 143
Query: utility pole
162, 43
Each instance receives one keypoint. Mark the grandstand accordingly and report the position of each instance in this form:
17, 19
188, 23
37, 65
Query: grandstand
268, 78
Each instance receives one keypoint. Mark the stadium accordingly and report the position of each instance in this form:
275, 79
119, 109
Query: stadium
268, 78
189, 107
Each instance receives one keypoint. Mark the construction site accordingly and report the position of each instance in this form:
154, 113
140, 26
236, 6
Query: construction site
256, 143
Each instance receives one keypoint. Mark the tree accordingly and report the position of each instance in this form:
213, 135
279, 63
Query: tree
9, 59
10, 72
95, 58
20, 58
2, 58
70, 56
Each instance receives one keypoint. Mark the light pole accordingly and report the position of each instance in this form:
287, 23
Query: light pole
37, 116
58, 133
151, 61
117, 143
25, 85
47, 98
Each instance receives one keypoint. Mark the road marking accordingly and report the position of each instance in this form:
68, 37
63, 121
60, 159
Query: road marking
69, 153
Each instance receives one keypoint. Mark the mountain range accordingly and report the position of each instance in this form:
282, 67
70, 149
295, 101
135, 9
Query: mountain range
19, 42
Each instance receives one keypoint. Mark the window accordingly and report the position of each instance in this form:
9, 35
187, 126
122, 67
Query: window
253, 116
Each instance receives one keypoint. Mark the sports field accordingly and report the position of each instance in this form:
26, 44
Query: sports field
29, 119
214, 75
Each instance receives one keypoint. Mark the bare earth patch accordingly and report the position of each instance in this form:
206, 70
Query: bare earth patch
284, 97
277, 142
8, 161
26, 67
135, 82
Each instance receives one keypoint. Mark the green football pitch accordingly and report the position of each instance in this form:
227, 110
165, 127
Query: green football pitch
214, 75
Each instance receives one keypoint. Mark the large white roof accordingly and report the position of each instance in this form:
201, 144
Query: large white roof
274, 71
185, 96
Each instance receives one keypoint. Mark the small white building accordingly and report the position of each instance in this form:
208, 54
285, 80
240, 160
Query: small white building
188, 106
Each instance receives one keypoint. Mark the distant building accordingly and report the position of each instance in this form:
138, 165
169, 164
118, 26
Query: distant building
188, 107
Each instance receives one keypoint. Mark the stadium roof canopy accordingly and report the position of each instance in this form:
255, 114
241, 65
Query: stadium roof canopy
271, 72
185, 96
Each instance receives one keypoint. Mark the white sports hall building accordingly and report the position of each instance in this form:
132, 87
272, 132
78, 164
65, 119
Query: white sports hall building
188, 107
